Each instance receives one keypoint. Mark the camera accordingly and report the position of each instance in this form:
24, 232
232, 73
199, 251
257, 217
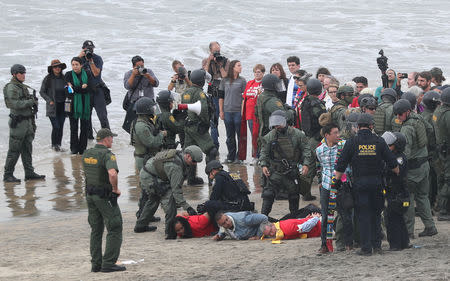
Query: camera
181, 74
219, 58
382, 61
89, 53
142, 70
403, 75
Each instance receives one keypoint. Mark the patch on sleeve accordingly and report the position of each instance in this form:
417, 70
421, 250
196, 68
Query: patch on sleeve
171, 118
202, 95
279, 104
113, 157
400, 160
434, 118
397, 121
186, 97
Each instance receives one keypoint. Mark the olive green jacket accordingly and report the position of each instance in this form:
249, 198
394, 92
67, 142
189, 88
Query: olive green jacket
18, 99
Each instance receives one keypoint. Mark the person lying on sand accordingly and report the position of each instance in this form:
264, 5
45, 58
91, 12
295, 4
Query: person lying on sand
292, 228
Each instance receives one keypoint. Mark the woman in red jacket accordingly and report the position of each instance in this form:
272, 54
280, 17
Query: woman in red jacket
185, 226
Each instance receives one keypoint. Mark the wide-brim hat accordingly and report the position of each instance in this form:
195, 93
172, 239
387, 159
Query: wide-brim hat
56, 63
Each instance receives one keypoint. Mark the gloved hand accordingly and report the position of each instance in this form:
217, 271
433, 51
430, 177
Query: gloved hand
191, 211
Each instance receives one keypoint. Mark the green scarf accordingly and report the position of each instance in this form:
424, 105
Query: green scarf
81, 110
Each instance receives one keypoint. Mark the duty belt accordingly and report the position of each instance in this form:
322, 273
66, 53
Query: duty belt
416, 162
103, 192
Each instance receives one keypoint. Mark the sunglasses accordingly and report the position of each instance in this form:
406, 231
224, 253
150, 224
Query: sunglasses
296, 78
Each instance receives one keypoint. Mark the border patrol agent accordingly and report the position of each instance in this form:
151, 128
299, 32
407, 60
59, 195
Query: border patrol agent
267, 103
367, 154
162, 178
283, 149
167, 121
418, 167
22, 126
146, 139
383, 115
337, 111
100, 169
441, 122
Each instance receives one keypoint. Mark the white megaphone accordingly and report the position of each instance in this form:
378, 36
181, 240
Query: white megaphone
194, 107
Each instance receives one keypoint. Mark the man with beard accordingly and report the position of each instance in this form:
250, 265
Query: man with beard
424, 81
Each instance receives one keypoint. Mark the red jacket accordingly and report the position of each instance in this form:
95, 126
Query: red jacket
290, 228
200, 225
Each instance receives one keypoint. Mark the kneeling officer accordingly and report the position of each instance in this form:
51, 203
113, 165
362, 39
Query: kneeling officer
100, 169
162, 178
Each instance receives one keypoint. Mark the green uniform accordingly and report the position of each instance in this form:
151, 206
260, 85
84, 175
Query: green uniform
22, 127
282, 153
101, 210
312, 108
427, 115
418, 170
145, 143
338, 114
196, 129
383, 117
441, 122
162, 178
266, 103
167, 122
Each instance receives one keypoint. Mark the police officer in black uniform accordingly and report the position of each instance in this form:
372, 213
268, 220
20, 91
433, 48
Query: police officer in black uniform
367, 154
229, 192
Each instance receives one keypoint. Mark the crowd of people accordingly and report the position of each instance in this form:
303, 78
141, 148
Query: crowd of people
365, 146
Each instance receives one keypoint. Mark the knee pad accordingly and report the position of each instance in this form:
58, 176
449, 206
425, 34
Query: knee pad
268, 193
212, 154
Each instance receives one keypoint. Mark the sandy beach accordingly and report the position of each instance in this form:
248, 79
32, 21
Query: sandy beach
45, 236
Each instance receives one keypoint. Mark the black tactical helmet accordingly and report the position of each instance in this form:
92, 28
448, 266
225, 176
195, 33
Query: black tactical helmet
314, 87
198, 77
164, 97
365, 119
344, 89
18, 68
213, 164
391, 93
400, 141
145, 106
411, 98
366, 100
269, 82
431, 99
445, 96
401, 106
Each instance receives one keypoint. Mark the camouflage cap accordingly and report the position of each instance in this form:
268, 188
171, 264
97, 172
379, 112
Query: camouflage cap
104, 133
195, 152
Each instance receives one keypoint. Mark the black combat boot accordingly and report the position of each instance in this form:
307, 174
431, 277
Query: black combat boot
294, 204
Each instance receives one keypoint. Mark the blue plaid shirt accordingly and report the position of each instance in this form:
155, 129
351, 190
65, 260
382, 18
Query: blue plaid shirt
326, 157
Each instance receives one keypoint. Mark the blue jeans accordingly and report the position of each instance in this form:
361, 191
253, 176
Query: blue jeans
214, 130
233, 128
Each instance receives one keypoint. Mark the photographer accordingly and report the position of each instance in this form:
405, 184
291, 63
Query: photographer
217, 66
180, 80
93, 65
139, 81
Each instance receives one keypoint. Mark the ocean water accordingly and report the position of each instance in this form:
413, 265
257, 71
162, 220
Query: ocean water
344, 36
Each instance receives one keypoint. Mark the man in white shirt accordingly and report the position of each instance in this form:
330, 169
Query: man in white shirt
293, 63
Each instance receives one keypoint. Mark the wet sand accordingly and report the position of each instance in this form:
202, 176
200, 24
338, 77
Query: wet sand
45, 236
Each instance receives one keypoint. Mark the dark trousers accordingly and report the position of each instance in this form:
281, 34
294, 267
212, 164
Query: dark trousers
214, 130
58, 123
344, 227
369, 202
98, 102
397, 233
233, 128
324, 196
78, 143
